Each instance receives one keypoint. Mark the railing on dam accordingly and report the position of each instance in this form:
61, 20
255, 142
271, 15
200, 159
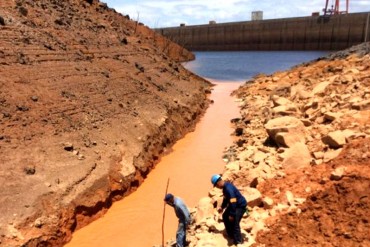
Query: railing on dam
302, 33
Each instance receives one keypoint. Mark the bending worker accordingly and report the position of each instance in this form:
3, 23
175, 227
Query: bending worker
235, 205
182, 214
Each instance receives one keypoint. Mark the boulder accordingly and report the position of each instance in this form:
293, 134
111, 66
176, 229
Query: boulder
331, 116
127, 168
205, 210
233, 166
245, 155
285, 139
210, 222
337, 174
285, 110
282, 90
317, 162
345, 97
320, 89
254, 176
354, 99
306, 122
312, 114
229, 175
275, 79
361, 105
318, 155
312, 104
335, 139
353, 71
286, 124
280, 101
347, 79
268, 203
297, 156
259, 157
350, 134
331, 154
300, 92
214, 226
253, 196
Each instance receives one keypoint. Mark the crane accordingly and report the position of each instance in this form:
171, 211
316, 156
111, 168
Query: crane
334, 10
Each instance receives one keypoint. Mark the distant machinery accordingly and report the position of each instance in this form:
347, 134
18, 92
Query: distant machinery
334, 10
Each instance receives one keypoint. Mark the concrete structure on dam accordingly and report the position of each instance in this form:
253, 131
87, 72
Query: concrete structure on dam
332, 32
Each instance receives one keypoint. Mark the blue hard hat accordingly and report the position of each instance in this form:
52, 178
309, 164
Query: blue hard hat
168, 197
215, 179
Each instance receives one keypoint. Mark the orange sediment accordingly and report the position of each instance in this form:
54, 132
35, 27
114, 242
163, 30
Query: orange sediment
137, 219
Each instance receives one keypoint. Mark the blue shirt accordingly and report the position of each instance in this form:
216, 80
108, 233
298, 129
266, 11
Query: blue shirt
181, 210
232, 198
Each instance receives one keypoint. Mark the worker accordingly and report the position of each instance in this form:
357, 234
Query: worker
182, 214
236, 206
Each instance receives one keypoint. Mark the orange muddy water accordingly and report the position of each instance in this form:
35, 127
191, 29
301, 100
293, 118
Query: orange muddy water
136, 221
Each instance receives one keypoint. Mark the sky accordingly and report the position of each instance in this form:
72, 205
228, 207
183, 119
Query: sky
171, 13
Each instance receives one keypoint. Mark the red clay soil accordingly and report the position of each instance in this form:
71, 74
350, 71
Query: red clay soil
336, 213
89, 101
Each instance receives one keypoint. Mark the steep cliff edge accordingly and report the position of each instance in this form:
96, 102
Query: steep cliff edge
89, 101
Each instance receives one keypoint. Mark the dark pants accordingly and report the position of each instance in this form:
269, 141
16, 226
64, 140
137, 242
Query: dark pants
233, 227
181, 234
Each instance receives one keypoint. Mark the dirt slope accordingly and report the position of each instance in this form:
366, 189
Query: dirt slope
336, 214
89, 101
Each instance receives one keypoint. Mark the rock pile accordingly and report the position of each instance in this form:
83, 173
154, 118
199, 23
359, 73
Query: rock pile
294, 124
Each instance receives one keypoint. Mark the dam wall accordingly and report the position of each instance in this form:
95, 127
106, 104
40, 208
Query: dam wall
334, 32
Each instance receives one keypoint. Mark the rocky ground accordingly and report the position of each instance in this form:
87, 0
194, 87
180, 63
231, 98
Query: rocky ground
89, 101
301, 157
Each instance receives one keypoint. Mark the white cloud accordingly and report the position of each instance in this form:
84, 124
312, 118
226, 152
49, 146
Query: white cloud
165, 13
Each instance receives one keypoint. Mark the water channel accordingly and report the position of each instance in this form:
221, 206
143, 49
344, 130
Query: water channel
137, 219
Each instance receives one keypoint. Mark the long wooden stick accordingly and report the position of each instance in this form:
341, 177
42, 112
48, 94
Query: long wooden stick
164, 212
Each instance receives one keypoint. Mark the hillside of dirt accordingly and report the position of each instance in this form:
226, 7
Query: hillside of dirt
301, 157
89, 102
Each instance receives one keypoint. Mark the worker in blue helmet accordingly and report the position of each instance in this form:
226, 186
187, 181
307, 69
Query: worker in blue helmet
182, 214
236, 206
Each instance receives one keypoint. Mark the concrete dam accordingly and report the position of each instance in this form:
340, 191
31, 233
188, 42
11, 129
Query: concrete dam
334, 32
